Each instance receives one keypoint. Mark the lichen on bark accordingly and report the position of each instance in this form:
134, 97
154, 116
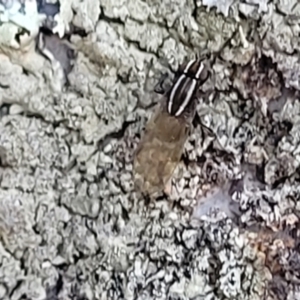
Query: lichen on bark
71, 224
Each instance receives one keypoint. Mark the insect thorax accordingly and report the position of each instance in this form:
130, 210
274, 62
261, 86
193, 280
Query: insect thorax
181, 99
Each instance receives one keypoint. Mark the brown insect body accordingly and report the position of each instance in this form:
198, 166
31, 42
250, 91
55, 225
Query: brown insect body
162, 143
159, 151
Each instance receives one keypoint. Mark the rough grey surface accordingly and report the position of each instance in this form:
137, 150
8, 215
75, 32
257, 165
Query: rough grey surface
71, 225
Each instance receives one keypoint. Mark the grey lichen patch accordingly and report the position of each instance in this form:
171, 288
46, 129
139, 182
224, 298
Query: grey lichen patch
144, 35
250, 8
210, 24
136, 10
32, 286
198, 264
162, 14
221, 6
26, 82
72, 225
65, 16
86, 14
26, 141
17, 214
280, 41
11, 74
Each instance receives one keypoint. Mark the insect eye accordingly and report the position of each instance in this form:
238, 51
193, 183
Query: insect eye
204, 74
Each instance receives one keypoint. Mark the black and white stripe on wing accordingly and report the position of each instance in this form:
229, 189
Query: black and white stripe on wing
183, 90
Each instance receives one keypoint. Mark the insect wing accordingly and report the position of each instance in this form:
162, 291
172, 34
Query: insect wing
159, 151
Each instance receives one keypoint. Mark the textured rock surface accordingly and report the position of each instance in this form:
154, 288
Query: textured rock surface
71, 225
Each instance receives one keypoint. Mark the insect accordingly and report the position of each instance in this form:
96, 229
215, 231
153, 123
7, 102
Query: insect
162, 143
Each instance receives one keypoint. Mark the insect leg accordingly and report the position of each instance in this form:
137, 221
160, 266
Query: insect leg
168, 188
158, 88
